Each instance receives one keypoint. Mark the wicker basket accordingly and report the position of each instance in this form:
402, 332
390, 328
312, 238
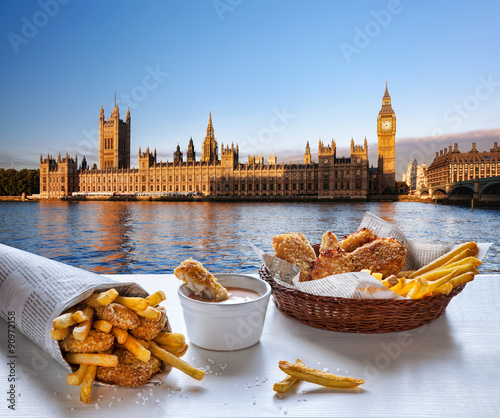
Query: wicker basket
368, 316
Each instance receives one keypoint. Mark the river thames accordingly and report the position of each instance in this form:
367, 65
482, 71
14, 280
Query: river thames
154, 237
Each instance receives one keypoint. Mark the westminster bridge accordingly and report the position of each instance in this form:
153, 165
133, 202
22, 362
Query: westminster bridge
479, 189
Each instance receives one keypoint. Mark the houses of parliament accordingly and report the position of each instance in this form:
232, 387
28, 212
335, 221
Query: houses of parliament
222, 175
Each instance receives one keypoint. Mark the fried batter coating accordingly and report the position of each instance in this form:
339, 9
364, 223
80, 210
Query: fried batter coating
384, 255
201, 282
328, 242
119, 315
149, 329
295, 248
350, 242
96, 341
331, 262
130, 371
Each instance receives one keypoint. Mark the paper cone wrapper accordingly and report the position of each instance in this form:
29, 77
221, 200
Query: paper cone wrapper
38, 290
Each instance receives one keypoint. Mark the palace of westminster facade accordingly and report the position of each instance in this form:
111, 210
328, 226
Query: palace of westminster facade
213, 176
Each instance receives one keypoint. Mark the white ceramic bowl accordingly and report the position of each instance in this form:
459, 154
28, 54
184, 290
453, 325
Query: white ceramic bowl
226, 327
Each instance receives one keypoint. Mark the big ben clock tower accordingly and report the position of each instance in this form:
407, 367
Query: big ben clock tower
386, 132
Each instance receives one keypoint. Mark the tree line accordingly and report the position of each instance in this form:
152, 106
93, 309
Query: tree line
15, 183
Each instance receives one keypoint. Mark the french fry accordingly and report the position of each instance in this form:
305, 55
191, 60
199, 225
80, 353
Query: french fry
169, 338
81, 331
176, 362
156, 298
442, 271
319, 377
390, 281
59, 333
102, 325
64, 321
465, 261
433, 286
101, 299
144, 343
419, 289
135, 347
105, 298
105, 360
401, 283
178, 350
134, 303
83, 314
87, 383
76, 378
120, 334
465, 253
287, 383
444, 289
150, 313
462, 279
438, 262
378, 276
407, 287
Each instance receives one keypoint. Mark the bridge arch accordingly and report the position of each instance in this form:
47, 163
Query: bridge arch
490, 191
438, 193
461, 192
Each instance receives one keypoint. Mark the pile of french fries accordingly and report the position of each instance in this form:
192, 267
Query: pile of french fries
299, 371
440, 276
79, 320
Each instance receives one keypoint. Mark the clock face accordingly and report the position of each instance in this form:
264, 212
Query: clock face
386, 125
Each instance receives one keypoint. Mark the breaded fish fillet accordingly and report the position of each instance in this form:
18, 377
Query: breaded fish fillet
383, 255
96, 341
200, 280
149, 328
295, 248
328, 242
130, 370
120, 316
330, 262
350, 242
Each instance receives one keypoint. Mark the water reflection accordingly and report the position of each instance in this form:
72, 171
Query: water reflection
153, 237
114, 231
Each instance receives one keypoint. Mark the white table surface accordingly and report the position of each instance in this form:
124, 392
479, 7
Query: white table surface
446, 368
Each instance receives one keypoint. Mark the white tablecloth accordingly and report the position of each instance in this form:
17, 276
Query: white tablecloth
446, 368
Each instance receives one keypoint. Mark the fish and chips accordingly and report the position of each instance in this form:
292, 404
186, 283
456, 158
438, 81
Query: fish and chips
109, 337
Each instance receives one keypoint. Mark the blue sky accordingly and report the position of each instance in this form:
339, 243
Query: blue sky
275, 74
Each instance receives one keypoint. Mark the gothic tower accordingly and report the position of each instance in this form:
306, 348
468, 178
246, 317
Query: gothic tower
307, 154
209, 151
191, 153
386, 132
114, 140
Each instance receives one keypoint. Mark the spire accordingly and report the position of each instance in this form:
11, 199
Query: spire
386, 94
210, 126
116, 103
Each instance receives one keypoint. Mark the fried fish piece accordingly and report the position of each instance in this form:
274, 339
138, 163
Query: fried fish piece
120, 316
200, 280
96, 341
295, 248
328, 242
331, 262
350, 242
383, 255
130, 371
149, 328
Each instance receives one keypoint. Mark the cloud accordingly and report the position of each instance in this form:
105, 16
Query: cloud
424, 149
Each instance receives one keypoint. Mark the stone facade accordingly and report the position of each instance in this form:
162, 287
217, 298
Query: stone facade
451, 165
332, 177
416, 176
